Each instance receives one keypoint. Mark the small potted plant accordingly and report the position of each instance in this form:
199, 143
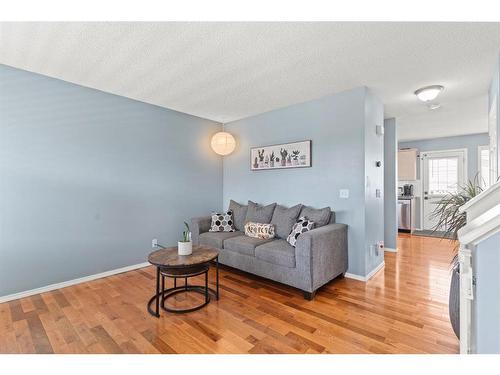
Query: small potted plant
283, 153
271, 160
185, 247
261, 158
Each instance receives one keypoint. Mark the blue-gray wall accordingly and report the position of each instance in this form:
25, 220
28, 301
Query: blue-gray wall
390, 183
87, 179
373, 181
336, 125
486, 313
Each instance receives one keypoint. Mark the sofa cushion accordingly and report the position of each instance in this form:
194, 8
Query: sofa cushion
239, 214
216, 239
284, 218
244, 244
277, 252
258, 213
320, 216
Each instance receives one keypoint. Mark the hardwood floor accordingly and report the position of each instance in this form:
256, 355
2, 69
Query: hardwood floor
402, 309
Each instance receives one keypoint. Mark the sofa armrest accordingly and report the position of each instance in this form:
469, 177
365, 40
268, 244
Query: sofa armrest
324, 252
199, 225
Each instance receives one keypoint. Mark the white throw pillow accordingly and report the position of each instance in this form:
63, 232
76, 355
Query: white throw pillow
259, 230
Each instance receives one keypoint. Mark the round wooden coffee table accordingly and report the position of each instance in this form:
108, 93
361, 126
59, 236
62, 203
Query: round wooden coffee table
169, 264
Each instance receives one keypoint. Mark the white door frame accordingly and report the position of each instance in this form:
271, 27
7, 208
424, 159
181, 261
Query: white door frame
481, 177
421, 164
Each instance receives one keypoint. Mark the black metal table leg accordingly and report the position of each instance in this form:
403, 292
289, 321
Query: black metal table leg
158, 291
206, 286
162, 290
217, 278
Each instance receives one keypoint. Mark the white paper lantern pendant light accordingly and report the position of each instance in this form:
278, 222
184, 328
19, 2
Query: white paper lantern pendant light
223, 143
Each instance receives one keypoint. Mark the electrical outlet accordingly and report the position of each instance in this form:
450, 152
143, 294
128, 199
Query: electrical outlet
344, 193
154, 243
380, 247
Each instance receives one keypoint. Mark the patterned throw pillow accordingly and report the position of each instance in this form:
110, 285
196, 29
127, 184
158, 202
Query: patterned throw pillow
222, 222
301, 226
259, 230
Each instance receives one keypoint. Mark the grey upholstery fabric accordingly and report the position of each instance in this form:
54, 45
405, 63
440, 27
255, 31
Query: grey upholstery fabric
244, 244
216, 239
325, 249
284, 218
199, 225
298, 277
320, 254
239, 214
320, 216
277, 252
258, 213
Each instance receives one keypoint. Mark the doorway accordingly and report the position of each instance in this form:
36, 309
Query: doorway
443, 172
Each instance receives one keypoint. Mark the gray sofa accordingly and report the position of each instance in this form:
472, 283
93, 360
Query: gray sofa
320, 255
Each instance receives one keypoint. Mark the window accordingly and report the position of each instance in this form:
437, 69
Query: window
443, 175
484, 166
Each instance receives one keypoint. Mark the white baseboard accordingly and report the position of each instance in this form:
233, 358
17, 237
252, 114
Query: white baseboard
65, 284
390, 250
354, 276
367, 277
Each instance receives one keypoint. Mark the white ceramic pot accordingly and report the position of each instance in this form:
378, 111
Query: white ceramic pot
185, 248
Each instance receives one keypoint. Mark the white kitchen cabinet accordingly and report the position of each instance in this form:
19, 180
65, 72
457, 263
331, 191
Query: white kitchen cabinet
407, 164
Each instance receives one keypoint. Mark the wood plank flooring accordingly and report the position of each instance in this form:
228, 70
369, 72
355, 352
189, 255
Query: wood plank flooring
402, 309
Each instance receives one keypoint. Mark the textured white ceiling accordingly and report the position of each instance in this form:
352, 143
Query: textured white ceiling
228, 71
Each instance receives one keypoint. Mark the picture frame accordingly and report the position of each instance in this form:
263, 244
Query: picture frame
281, 156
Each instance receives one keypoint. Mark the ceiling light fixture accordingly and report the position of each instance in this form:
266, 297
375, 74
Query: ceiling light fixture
429, 93
223, 143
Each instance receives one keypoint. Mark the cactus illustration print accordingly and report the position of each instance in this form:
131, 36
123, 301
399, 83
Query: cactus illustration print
281, 156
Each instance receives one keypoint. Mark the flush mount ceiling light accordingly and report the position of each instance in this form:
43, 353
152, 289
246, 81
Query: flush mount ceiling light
429, 93
223, 143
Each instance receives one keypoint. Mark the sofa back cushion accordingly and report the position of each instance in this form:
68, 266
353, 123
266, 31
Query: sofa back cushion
284, 218
320, 216
258, 213
239, 214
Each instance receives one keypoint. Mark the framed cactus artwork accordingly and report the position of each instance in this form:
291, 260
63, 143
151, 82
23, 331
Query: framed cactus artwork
286, 155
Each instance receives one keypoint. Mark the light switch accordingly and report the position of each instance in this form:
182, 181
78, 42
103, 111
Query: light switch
344, 193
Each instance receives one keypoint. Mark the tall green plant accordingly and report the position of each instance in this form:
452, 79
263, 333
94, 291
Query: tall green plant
447, 213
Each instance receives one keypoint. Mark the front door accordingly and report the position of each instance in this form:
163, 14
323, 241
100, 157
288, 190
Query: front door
443, 173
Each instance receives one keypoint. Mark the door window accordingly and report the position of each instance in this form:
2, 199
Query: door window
443, 175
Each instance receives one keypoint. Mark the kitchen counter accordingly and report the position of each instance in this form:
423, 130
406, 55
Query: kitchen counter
402, 197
